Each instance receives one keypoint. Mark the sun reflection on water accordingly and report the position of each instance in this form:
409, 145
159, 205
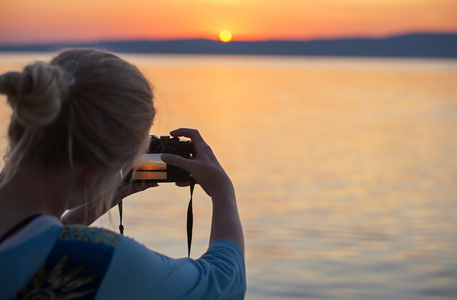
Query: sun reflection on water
345, 171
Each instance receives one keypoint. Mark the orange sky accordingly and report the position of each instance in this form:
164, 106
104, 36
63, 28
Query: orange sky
23, 21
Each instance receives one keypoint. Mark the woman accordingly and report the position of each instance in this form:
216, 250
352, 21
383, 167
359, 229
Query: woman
78, 124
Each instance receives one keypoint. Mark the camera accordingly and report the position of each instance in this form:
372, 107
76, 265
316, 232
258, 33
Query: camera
149, 166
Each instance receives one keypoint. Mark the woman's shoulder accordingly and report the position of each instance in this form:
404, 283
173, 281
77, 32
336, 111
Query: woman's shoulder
90, 235
51, 226
44, 224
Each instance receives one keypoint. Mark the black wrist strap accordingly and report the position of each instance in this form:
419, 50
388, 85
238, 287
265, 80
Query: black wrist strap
121, 227
190, 217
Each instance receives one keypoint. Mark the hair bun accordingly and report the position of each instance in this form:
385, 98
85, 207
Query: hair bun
36, 94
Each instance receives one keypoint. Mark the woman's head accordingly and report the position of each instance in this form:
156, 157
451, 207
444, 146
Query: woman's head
85, 106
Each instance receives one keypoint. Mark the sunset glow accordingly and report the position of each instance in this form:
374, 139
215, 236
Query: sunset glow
25, 21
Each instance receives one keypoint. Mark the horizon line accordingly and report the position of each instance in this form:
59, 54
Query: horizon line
108, 40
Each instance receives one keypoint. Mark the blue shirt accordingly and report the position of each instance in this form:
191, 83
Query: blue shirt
133, 271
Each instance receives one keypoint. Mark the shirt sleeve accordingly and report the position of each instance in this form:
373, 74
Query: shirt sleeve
136, 272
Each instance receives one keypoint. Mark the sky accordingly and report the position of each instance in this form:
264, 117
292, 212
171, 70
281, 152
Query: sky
37, 21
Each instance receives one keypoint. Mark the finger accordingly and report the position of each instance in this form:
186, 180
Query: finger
138, 186
177, 161
130, 188
193, 134
141, 186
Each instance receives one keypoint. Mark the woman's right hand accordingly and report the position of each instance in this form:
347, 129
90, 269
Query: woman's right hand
210, 175
204, 167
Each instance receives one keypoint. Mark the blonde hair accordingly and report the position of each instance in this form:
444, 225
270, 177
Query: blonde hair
86, 105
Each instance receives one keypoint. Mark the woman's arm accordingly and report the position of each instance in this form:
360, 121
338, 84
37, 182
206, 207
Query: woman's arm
89, 213
210, 175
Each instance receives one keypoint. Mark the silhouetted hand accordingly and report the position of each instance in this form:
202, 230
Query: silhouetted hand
204, 167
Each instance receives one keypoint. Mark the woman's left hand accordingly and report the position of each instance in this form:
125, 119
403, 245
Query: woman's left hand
90, 212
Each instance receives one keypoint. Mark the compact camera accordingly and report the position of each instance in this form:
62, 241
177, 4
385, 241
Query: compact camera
149, 167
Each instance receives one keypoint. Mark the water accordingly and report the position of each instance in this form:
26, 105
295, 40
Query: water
345, 170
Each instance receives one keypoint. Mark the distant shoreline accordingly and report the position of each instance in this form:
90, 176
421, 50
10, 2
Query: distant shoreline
416, 45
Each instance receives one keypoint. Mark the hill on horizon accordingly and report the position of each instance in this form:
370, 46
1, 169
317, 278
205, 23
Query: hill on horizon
433, 45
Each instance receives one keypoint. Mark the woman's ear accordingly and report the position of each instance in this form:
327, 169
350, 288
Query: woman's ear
89, 177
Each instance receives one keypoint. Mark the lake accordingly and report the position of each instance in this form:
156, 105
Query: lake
345, 170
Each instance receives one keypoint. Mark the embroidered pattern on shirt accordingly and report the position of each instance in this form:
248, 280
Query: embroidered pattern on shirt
92, 235
75, 266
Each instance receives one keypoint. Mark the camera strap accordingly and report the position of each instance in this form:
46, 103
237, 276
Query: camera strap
121, 227
190, 217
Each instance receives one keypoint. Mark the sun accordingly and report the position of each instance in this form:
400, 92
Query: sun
225, 36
